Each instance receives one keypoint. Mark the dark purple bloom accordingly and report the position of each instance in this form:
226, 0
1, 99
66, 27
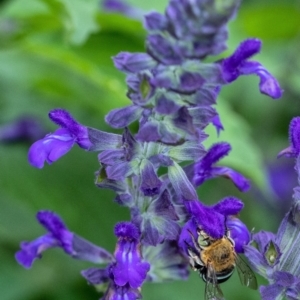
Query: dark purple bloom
237, 64
212, 220
205, 169
294, 135
23, 129
55, 145
59, 236
129, 267
127, 272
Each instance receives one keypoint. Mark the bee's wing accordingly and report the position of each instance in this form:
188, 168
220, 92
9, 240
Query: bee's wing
212, 288
246, 275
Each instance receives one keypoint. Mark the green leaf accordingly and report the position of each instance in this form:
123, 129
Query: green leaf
77, 16
271, 20
245, 156
158, 5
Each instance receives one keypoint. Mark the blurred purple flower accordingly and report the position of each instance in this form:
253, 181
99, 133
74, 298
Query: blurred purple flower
282, 178
23, 129
122, 7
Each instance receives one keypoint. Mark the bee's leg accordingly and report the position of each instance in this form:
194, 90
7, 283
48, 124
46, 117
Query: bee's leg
194, 260
196, 245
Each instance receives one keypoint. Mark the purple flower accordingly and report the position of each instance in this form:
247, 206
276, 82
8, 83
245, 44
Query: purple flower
129, 267
55, 145
128, 272
237, 64
294, 135
213, 221
204, 169
59, 236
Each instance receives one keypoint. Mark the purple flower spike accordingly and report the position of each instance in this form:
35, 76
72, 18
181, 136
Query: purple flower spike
204, 169
239, 233
129, 268
237, 64
294, 135
23, 129
57, 144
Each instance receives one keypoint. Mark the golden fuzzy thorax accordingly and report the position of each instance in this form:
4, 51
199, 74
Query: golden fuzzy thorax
220, 255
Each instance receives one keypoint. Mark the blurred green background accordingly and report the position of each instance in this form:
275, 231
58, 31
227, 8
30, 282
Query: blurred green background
57, 53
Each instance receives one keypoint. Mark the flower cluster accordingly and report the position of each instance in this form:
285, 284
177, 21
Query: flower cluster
276, 256
173, 94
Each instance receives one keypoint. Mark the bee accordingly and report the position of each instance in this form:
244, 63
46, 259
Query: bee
215, 260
